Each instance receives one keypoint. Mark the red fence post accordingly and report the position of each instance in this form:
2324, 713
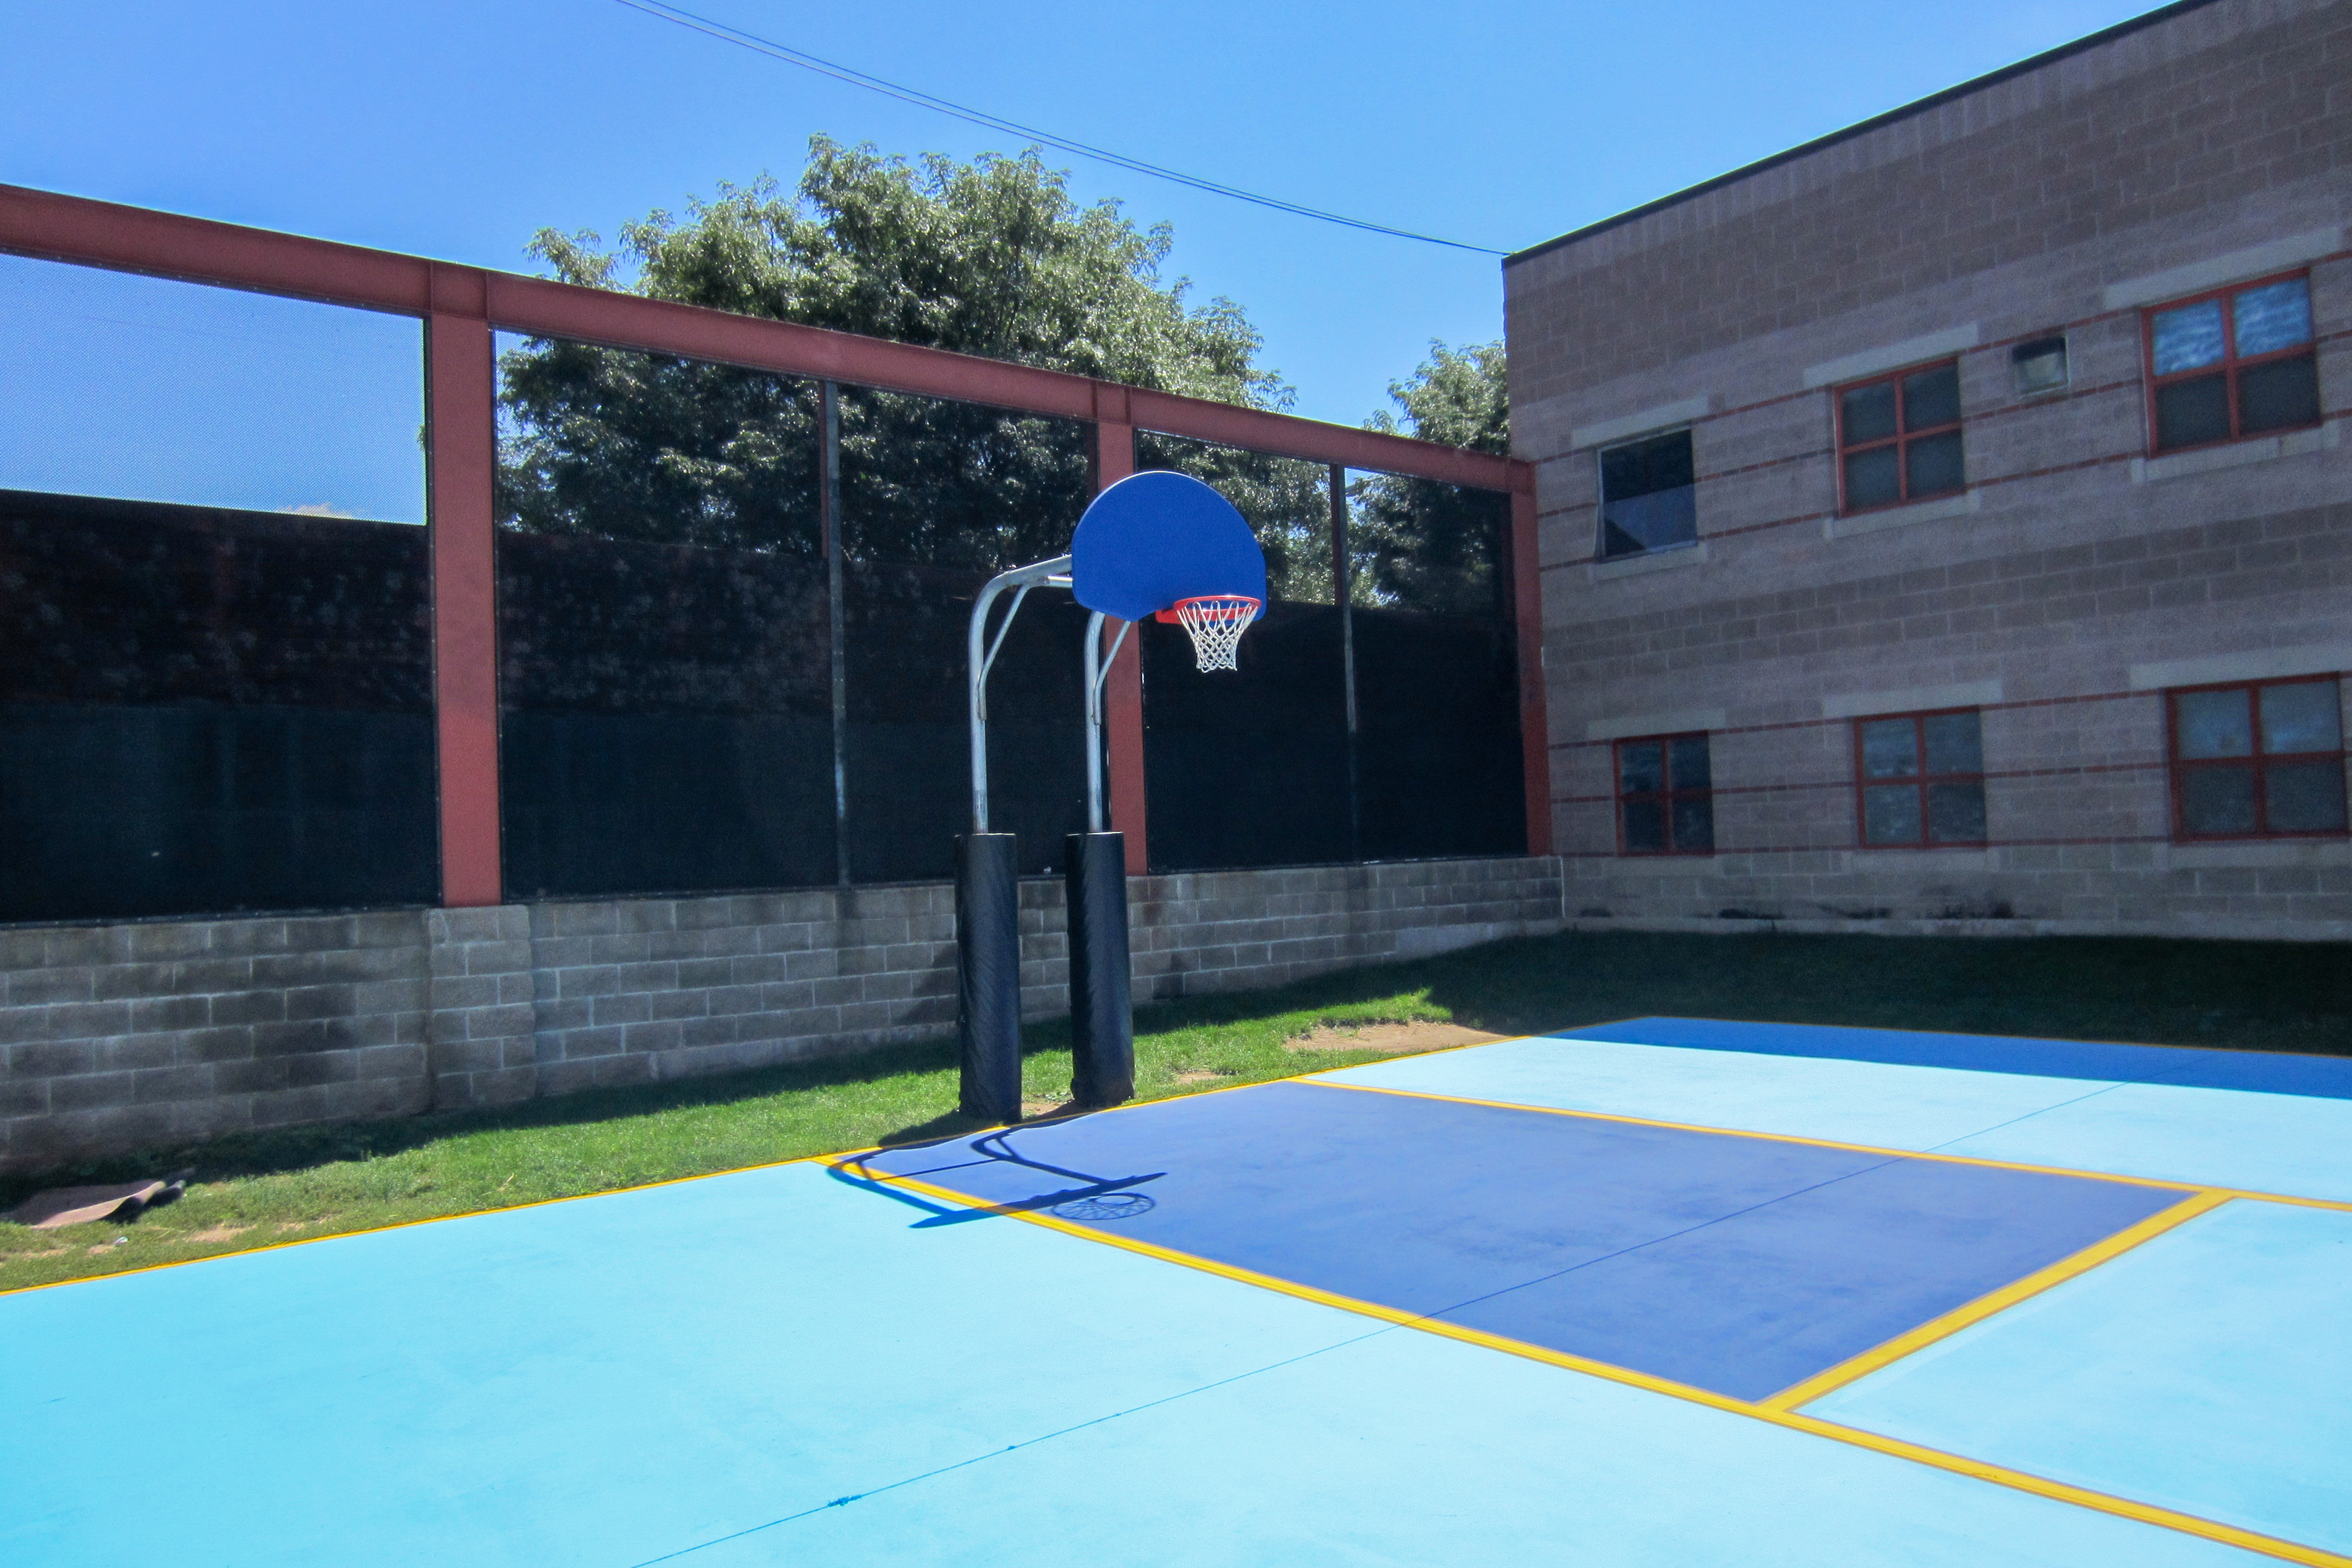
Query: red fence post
461, 458
1527, 605
1123, 692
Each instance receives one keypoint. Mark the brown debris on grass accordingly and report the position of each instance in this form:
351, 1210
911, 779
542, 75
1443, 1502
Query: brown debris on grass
1403, 1039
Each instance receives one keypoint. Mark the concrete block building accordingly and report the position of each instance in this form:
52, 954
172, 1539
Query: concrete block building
1947, 524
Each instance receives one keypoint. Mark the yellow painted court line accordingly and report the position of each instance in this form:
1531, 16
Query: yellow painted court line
2020, 1480
1986, 1305
827, 1156
431, 1220
1832, 1144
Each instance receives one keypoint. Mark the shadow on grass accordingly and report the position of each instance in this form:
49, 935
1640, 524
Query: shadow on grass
2235, 995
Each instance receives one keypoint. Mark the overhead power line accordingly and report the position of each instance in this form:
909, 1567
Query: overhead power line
807, 61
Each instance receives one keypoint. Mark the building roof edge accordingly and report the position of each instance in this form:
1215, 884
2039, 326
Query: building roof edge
1863, 128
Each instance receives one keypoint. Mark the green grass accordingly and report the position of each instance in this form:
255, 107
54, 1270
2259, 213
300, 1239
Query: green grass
258, 1190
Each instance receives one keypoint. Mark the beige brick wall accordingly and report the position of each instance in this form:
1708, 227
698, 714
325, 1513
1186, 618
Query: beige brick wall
2215, 143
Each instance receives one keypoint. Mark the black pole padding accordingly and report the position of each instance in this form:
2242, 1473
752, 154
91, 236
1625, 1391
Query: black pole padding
988, 987
1102, 1014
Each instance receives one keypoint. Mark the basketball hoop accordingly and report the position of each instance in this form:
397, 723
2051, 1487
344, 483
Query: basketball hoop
1216, 622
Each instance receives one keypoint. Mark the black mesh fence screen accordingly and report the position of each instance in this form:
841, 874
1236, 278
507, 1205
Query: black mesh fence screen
204, 710
935, 498
667, 663
664, 665
1250, 768
216, 656
1262, 767
1437, 742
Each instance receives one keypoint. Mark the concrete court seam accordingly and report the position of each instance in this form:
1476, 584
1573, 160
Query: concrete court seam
2190, 1186
1994, 1301
1897, 1448
1009, 1447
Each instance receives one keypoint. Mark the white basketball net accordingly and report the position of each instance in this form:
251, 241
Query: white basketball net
1216, 623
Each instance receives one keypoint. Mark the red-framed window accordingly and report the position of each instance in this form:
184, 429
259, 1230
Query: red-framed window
1665, 796
1919, 780
2236, 362
1899, 438
2259, 760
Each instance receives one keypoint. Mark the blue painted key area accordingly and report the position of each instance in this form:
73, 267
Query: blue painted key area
1740, 1265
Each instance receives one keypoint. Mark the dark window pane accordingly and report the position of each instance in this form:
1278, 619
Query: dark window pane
1890, 814
1955, 813
2280, 395
2188, 412
1890, 750
2038, 366
1871, 478
1934, 466
1955, 743
2188, 336
1689, 760
2213, 724
2306, 716
1866, 413
2276, 315
1931, 398
1645, 467
2217, 801
1645, 826
1641, 767
1695, 823
1654, 521
2304, 797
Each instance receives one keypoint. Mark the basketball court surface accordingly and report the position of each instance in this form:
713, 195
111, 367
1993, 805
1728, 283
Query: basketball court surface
1668, 1291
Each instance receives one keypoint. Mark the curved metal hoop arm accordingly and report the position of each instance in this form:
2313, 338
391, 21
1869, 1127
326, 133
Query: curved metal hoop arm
981, 655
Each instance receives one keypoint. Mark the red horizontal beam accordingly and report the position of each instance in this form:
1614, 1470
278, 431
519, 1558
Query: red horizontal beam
198, 250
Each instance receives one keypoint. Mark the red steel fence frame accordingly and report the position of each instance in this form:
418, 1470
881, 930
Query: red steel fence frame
463, 306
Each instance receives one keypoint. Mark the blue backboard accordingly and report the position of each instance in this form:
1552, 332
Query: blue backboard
1155, 538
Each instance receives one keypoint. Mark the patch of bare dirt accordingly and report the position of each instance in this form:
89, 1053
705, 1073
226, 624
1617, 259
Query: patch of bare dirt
1198, 1075
1400, 1038
216, 1233
1033, 1110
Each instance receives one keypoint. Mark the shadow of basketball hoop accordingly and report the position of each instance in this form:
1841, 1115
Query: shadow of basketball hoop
1110, 1206
1096, 1200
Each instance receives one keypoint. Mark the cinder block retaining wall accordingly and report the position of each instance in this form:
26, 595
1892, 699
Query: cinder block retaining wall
125, 1037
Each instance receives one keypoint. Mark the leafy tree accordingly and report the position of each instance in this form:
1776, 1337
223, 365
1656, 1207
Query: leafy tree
1418, 543
990, 258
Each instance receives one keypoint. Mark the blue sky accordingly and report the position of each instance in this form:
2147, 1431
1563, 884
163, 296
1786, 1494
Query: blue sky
456, 129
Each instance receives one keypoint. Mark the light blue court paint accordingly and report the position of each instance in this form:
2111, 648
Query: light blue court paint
2292, 1144
626, 1378
588, 1383
2209, 1371
2224, 1137
1411, 1450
